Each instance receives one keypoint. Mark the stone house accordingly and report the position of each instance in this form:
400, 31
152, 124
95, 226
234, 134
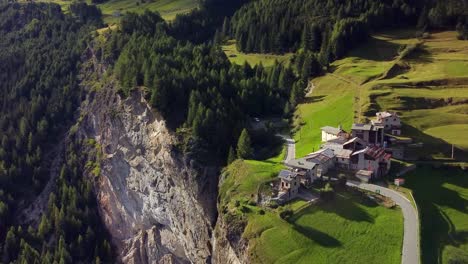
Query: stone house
373, 159
306, 169
369, 133
289, 184
343, 158
324, 158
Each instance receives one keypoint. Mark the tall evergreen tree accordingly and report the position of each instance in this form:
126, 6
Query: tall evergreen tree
244, 148
231, 155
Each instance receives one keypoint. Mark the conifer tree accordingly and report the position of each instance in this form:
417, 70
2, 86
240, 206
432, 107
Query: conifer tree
244, 148
231, 156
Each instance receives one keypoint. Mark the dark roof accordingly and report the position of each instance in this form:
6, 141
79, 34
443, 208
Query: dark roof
301, 163
287, 175
366, 127
375, 152
321, 156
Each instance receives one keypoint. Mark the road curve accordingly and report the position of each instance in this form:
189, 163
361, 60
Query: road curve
410, 250
290, 147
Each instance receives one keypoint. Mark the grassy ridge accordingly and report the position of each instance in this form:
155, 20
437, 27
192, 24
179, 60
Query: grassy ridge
442, 196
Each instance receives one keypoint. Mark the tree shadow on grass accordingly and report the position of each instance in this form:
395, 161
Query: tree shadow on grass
348, 209
323, 239
313, 99
437, 229
431, 146
376, 50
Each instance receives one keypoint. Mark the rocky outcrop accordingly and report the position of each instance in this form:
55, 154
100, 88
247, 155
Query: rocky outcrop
228, 245
158, 206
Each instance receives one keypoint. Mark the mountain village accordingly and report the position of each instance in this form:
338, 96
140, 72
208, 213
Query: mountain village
361, 153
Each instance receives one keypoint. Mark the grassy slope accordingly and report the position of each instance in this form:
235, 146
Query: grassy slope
442, 196
240, 58
331, 103
360, 75
334, 232
167, 8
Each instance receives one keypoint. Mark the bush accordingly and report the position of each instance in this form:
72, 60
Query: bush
286, 213
252, 203
273, 204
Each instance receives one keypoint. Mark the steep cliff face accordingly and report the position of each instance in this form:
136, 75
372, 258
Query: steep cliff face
228, 245
158, 206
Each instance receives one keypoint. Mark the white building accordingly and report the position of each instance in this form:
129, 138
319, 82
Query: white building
329, 133
390, 121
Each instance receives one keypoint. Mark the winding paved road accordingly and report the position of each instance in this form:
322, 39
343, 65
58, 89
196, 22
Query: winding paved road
290, 147
410, 251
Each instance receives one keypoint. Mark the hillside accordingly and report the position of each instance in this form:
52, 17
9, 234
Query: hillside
426, 82
428, 88
113, 10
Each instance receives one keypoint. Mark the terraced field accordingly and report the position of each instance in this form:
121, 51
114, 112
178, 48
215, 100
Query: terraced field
428, 88
112, 10
167, 8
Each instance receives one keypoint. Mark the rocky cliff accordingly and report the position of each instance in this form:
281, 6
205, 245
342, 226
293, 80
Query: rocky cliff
158, 206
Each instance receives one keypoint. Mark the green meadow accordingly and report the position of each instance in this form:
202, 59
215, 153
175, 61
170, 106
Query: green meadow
331, 103
331, 232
